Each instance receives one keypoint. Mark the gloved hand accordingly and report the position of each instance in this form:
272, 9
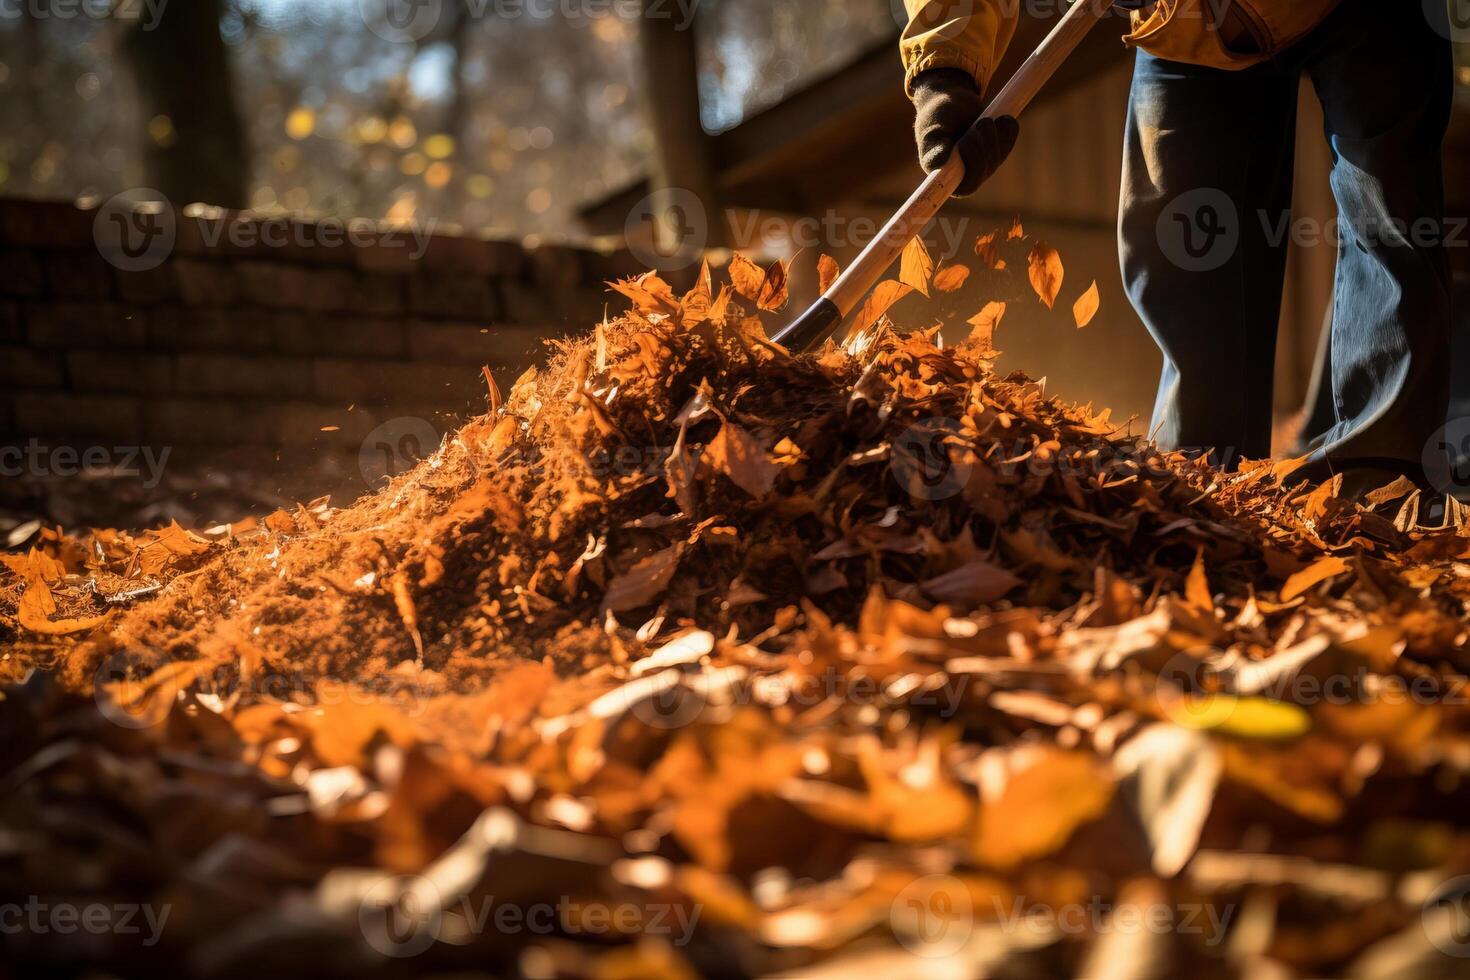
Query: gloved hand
947, 102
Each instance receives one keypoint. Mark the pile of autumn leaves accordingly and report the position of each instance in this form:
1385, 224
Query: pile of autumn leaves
827, 722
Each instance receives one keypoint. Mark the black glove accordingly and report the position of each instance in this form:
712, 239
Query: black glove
947, 102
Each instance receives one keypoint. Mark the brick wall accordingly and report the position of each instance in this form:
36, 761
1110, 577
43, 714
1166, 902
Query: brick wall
264, 333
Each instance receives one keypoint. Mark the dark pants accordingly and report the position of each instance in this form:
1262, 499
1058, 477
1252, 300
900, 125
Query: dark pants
1206, 221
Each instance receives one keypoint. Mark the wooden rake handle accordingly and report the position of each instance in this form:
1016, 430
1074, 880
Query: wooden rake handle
821, 321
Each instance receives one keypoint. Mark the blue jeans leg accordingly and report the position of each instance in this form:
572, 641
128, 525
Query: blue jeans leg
1386, 85
1207, 175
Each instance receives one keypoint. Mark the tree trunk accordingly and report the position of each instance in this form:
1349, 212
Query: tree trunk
682, 158
182, 72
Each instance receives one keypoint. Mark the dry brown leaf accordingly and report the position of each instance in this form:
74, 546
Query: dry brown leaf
1044, 267
1314, 574
644, 582
746, 277
879, 301
971, 584
827, 272
916, 267
1086, 306
736, 453
951, 278
987, 321
36, 607
1040, 808
1197, 588
775, 289
987, 247
1017, 232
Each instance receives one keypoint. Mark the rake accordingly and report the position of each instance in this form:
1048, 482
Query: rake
823, 318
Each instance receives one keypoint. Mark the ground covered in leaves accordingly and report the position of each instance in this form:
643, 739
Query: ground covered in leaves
696, 657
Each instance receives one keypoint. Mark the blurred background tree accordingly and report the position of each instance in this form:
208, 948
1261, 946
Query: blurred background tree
194, 147
503, 116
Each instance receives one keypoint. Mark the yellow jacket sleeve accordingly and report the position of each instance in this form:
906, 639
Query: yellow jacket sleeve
967, 34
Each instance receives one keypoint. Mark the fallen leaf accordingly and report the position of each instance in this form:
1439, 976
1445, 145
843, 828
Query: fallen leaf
827, 272
1044, 267
746, 277
1314, 574
987, 321
988, 249
916, 267
951, 278
971, 585
879, 301
36, 607
1086, 306
1040, 808
644, 582
736, 453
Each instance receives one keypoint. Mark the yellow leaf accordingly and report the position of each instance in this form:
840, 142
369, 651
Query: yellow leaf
1313, 575
1086, 306
1226, 714
916, 268
1044, 266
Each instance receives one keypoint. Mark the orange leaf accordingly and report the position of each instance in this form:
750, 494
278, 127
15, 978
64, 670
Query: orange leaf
774, 291
917, 267
879, 301
827, 272
1197, 587
36, 607
1086, 306
988, 248
1044, 266
951, 278
1016, 230
987, 321
1312, 575
746, 277
737, 454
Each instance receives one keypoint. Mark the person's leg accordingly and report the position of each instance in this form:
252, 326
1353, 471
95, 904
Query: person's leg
1206, 197
1386, 83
